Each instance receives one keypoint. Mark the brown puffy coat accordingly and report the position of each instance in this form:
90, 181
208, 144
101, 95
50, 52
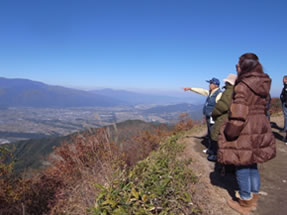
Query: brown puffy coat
246, 137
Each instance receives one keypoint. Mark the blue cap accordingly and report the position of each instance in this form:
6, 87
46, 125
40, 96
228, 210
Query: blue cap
214, 81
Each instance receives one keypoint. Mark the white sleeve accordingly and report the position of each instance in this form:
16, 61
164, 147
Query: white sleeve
200, 91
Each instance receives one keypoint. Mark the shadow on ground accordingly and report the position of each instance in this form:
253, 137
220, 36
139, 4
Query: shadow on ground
277, 135
274, 125
204, 140
224, 176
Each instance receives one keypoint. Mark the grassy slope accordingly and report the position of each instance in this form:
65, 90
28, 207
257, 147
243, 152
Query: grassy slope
32, 153
159, 184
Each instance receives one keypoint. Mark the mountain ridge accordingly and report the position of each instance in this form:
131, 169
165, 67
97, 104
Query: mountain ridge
27, 93
19, 92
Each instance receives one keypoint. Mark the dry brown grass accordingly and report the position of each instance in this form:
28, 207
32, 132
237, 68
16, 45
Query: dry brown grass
68, 184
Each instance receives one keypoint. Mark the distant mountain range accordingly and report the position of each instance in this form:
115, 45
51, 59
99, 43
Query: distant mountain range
28, 93
138, 98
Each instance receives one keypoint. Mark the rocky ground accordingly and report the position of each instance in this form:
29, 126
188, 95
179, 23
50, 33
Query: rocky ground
215, 188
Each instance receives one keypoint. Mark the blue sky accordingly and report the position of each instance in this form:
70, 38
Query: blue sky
148, 45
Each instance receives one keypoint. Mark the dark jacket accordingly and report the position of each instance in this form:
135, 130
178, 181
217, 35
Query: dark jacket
210, 103
246, 138
283, 95
220, 111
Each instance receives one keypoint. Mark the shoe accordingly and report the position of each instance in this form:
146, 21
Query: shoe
207, 151
244, 207
212, 158
254, 200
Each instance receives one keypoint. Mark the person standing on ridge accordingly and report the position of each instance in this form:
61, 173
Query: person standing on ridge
283, 98
246, 138
213, 95
220, 114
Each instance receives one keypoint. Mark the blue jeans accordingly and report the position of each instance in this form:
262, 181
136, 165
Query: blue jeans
248, 180
285, 116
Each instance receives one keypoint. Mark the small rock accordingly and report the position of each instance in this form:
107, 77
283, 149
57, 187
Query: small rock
284, 181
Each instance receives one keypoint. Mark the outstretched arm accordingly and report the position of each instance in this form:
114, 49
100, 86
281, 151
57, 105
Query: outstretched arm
200, 91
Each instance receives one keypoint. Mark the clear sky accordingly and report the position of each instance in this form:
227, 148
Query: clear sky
139, 44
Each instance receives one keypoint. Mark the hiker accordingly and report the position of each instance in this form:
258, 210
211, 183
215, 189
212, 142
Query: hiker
246, 138
213, 95
283, 98
220, 114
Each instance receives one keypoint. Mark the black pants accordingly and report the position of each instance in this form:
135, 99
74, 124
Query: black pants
209, 126
212, 145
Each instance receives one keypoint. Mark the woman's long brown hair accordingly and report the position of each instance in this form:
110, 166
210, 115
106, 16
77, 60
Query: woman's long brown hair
249, 62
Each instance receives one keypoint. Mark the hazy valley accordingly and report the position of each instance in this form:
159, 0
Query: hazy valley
36, 117
29, 123
31, 109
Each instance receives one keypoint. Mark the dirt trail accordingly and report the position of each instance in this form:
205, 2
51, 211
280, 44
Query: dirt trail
211, 199
274, 176
213, 190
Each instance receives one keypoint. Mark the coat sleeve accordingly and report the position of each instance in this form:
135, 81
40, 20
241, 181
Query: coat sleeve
200, 91
218, 97
238, 112
222, 106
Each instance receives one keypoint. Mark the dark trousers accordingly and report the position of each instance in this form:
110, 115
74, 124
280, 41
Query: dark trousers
212, 145
209, 126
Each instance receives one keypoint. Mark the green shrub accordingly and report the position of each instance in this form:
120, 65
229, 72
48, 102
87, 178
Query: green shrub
156, 185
